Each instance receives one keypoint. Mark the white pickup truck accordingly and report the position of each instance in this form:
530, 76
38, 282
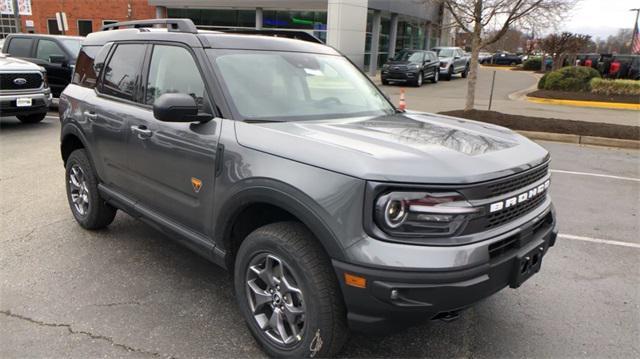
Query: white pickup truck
24, 91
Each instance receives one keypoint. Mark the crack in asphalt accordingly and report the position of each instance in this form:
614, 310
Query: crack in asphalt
117, 304
70, 329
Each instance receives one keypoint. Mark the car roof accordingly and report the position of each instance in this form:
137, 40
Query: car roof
48, 36
208, 39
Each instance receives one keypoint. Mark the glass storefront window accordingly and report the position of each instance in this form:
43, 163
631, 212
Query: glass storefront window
216, 17
306, 20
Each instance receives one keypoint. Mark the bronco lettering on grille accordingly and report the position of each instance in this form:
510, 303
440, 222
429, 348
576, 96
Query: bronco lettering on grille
522, 197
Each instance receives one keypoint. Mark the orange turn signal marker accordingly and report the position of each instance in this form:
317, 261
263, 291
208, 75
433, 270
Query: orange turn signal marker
355, 281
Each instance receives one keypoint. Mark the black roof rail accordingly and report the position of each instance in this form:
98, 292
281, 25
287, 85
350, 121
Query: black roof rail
173, 25
290, 34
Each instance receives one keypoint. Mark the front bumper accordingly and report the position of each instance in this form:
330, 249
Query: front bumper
41, 100
399, 76
395, 298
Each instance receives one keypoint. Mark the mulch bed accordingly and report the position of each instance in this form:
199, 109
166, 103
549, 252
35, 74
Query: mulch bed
540, 124
584, 96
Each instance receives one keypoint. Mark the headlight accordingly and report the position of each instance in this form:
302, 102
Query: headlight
45, 79
416, 214
385, 66
414, 66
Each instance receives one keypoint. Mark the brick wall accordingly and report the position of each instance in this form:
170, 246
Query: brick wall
95, 10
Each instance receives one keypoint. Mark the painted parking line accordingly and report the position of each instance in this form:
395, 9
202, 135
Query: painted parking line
598, 240
597, 175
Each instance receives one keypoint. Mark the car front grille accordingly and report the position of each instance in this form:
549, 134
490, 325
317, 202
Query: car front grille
20, 81
518, 181
511, 213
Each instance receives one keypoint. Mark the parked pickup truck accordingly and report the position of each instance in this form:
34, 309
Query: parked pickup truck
24, 91
281, 161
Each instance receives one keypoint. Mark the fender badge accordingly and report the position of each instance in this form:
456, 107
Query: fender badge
196, 183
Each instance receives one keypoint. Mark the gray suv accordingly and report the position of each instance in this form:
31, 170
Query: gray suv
279, 160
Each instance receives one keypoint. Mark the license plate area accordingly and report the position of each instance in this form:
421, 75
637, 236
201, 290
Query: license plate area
24, 102
527, 263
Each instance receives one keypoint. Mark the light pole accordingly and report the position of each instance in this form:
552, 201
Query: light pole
16, 15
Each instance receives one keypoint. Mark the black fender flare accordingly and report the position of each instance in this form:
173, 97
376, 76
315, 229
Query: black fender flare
70, 129
282, 195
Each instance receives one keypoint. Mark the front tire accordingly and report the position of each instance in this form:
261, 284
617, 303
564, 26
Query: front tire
87, 207
419, 80
288, 293
449, 74
34, 118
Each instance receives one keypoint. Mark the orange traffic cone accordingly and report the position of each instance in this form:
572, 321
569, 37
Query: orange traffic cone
403, 103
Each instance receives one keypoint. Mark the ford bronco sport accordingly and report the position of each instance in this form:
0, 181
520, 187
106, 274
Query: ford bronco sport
278, 159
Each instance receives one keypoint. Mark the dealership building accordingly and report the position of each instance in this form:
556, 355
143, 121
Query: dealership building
367, 31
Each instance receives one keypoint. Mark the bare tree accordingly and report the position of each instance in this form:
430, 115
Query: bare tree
563, 44
477, 16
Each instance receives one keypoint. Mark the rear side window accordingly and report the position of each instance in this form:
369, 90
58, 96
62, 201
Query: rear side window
20, 47
48, 48
90, 61
122, 74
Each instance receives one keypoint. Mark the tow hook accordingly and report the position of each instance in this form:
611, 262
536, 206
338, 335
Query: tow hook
448, 316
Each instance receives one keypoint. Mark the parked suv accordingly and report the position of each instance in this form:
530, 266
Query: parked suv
282, 162
453, 60
411, 66
24, 92
56, 53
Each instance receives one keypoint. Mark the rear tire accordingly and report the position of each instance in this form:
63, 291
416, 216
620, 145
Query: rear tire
87, 207
296, 261
465, 73
34, 118
436, 76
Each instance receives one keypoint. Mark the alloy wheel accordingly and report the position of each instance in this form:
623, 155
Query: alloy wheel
275, 299
78, 190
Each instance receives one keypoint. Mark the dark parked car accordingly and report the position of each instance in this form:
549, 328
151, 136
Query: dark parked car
411, 66
24, 92
280, 160
504, 58
618, 66
56, 53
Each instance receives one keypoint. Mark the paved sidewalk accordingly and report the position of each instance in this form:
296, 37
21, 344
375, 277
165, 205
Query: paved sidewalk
450, 95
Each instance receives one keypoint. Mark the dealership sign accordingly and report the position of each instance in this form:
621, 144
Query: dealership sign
24, 7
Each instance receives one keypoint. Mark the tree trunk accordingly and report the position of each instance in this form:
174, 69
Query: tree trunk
473, 62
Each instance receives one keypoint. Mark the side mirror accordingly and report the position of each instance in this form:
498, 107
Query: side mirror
177, 107
58, 59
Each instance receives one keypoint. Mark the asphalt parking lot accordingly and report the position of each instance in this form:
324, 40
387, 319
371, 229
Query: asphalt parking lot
128, 291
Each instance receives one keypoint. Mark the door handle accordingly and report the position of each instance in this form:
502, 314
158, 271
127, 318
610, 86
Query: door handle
90, 115
142, 131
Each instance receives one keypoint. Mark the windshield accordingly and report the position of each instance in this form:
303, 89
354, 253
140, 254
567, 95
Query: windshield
286, 86
73, 45
444, 52
411, 56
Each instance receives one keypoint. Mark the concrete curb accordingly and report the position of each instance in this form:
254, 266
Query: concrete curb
582, 140
577, 103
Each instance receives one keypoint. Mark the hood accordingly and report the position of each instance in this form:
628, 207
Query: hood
8, 63
398, 62
445, 59
410, 147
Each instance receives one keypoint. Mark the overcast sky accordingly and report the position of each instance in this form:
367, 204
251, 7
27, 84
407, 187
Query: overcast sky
601, 18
